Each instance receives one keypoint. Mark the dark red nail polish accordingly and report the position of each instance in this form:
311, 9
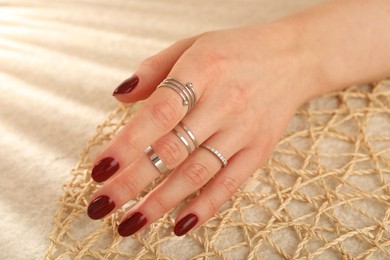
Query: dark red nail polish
185, 224
104, 169
131, 225
127, 85
100, 207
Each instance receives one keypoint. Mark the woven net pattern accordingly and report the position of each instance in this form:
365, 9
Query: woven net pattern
324, 194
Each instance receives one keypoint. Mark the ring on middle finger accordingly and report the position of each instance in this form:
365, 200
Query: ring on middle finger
184, 140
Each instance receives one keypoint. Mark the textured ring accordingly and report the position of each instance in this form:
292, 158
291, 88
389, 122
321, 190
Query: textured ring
216, 153
183, 140
186, 91
157, 162
190, 134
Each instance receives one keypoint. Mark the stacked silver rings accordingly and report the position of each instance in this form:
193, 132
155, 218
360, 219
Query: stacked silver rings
186, 91
184, 140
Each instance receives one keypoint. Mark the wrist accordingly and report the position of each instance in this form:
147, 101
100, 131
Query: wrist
289, 62
344, 43
317, 69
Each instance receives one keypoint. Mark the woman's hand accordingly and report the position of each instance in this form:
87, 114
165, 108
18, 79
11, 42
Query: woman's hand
248, 83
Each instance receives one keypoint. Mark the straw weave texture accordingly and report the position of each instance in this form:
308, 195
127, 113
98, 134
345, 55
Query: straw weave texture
324, 194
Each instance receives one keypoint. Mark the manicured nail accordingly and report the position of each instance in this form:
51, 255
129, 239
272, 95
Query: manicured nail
127, 85
104, 169
100, 207
185, 224
131, 225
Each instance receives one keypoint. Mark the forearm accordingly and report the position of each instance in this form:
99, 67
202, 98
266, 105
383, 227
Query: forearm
348, 40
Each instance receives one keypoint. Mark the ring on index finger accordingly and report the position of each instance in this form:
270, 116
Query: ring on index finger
186, 91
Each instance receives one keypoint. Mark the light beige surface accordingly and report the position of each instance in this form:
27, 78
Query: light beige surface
59, 62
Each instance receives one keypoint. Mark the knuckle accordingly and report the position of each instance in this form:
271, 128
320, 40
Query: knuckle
238, 95
196, 174
211, 58
153, 62
228, 185
132, 146
160, 204
164, 114
210, 204
236, 98
264, 150
126, 186
169, 151
211, 62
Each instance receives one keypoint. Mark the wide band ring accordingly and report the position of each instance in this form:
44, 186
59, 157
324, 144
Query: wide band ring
186, 91
157, 162
216, 153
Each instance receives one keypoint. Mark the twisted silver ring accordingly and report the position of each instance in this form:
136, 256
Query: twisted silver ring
186, 91
157, 162
216, 153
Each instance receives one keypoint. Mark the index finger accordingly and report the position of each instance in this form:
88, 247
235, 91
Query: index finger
160, 113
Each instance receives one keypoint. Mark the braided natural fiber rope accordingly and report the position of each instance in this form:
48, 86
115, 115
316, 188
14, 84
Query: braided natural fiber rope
324, 194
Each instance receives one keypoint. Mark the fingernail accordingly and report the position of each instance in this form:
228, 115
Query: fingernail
104, 169
100, 207
131, 225
185, 224
127, 85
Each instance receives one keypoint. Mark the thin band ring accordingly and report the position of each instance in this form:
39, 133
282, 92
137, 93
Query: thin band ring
178, 91
157, 162
216, 153
186, 91
183, 140
190, 134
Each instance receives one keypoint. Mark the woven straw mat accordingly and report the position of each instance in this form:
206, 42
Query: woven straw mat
324, 194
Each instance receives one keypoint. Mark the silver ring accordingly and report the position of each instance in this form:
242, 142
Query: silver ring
190, 134
183, 140
186, 91
157, 162
216, 153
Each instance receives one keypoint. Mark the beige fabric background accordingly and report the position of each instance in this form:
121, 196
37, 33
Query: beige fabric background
59, 62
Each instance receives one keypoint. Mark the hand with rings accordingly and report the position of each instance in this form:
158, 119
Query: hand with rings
216, 105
